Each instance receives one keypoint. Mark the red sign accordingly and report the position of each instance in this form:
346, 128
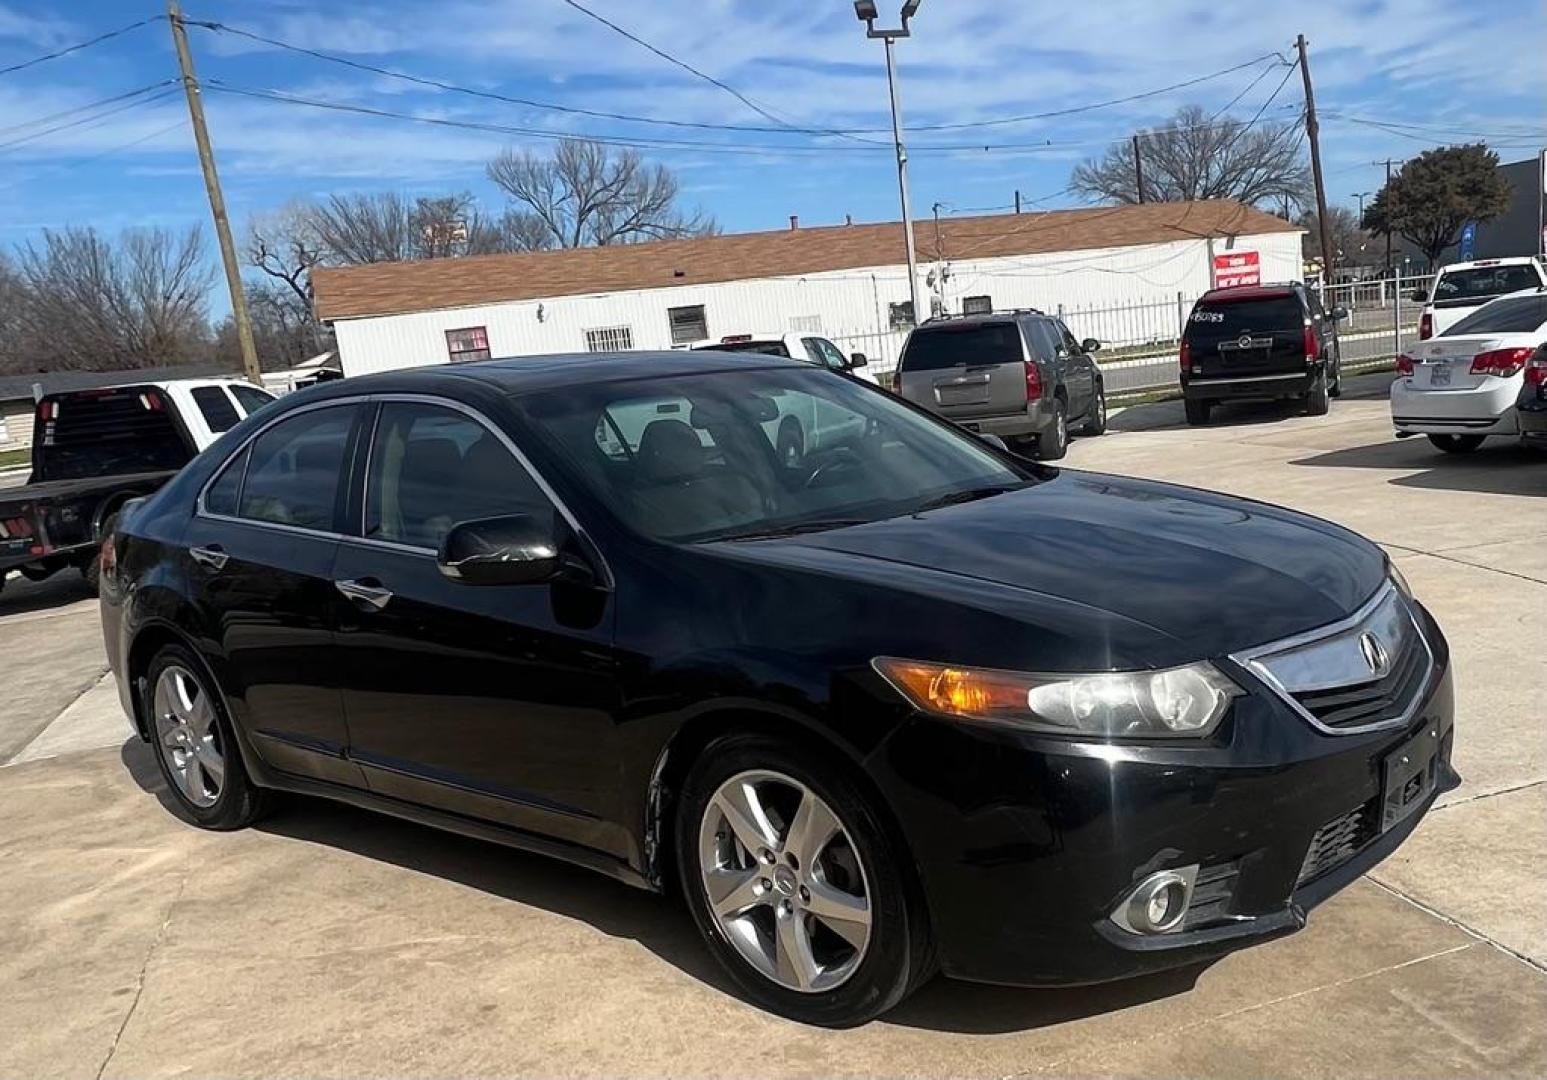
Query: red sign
1237, 268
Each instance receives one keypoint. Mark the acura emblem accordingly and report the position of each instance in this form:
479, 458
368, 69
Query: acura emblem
1374, 653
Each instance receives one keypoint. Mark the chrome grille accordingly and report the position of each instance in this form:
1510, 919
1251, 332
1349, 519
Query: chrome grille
1338, 841
1366, 672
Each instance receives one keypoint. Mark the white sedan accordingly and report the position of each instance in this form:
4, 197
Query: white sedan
1460, 387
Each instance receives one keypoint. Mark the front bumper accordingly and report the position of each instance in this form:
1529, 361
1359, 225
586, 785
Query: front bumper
1486, 410
1026, 844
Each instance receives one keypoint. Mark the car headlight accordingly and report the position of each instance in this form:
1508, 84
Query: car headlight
1183, 702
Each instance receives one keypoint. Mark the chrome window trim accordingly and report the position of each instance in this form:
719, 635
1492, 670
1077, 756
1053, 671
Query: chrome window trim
1253, 661
605, 577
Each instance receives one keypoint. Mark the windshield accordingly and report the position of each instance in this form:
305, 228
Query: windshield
1512, 315
960, 344
754, 453
1481, 282
1213, 321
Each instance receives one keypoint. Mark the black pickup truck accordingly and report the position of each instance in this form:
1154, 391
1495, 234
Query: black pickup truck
93, 451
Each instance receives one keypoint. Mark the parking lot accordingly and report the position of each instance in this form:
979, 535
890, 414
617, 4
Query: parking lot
329, 941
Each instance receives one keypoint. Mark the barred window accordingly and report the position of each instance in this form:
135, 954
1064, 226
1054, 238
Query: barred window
901, 315
469, 343
688, 324
609, 339
806, 324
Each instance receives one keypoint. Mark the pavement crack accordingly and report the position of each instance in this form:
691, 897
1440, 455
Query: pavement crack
1462, 562
139, 983
1489, 794
1535, 965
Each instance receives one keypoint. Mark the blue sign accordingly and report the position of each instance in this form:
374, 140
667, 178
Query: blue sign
1468, 241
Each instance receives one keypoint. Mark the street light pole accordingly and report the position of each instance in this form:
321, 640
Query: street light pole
1361, 196
866, 11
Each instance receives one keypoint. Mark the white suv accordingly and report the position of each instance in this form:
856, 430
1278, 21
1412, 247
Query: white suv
1461, 288
1462, 386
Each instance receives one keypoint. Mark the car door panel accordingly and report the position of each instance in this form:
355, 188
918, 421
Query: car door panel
495, 702
1081, 368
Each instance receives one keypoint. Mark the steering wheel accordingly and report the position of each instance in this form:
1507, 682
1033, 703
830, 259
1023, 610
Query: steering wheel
842, 458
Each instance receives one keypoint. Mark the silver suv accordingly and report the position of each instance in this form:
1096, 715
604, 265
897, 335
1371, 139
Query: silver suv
1020, 375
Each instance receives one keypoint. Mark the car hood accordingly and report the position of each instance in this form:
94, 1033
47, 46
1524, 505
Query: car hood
1213, 572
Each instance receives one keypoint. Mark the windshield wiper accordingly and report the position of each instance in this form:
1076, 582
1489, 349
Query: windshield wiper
966, 495
795, 528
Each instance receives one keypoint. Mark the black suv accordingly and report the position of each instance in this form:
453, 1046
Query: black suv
1260, 341
1020, 375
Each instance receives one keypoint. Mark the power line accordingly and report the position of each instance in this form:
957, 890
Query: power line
1515, 133
1392, 129
126, 104
1236, 100
690, 69
83, 108
79, 45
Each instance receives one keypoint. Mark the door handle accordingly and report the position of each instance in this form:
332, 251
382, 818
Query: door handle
212, 556
361, 591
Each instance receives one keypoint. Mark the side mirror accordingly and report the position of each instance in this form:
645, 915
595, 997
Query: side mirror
1090, 344
1420, 295
515, 550
857, 360
993, 440
1339, 313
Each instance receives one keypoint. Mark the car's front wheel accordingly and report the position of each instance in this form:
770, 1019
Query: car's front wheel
195, 747
1457, 444
795, 883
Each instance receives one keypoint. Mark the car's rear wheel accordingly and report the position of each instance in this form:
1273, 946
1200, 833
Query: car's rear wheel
195, 747
1053, 443
1457, 444
1096, 419
796, 884
1197, 411
1316, 401
1336, 389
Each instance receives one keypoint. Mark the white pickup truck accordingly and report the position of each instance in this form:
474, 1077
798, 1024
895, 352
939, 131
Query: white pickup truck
797, 345
1461, 288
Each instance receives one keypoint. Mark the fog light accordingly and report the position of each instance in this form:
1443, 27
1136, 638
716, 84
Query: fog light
1159, 903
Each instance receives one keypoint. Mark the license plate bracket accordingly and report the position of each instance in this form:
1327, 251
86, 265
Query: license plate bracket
1409, 773
1439, 375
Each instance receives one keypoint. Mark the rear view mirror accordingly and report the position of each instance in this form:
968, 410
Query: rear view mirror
515, 550
993, 440
1090, 344
857, 360
709, 414
1421, 296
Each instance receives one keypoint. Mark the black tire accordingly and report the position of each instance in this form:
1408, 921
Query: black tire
1197, 410
1336, 389
239, 802
1096, 418
1053, 443
898, 956
1316, 401
1457, 444
791, 445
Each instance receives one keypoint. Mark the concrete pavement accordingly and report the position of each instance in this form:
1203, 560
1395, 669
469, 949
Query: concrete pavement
333, 942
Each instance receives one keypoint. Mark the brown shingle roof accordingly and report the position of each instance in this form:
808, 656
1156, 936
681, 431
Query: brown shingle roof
393, 288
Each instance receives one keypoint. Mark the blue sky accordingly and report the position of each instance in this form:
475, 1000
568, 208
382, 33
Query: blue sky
1447, 69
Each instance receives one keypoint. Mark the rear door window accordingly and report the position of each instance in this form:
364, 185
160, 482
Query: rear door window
1459, 287
294, 473
1516, 315
1213, 321
216, 408
1044, 339
955, 346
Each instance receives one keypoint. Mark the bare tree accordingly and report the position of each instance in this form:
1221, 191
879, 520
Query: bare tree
285, 246
1199, 157
1350, 242
282, 326
587, 194
86, 303
386, 226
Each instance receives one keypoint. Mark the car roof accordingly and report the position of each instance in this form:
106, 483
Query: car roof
528, 374
159, 384
1266, 291
1482, 264
747, 336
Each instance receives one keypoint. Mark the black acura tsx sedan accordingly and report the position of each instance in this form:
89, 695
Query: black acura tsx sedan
897, 704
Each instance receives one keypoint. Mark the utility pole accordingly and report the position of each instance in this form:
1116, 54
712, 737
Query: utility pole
865, 10
217, 201
1017, 200
1138, 169
1388, 231
1312, 132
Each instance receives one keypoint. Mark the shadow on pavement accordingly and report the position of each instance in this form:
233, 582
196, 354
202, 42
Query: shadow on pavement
1155, 415
1498, 467
659, 923
20, 596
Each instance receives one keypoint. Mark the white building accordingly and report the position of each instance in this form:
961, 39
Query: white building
848, 282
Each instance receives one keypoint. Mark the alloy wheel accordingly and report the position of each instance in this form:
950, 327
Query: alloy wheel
188, 736
784, 882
